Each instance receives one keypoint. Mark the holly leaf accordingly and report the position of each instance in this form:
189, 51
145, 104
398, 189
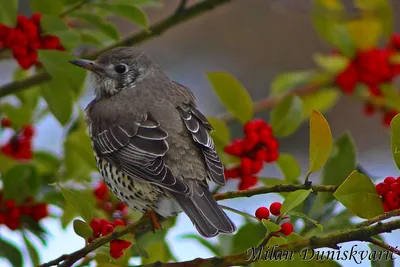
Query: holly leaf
11, 253
205, 243
20, 182
358, 194
395, 139
333, 64
82, 229
79, 201
321, 100
131, 12
303, 216
271, 226
293, 200
286, 117
320, 141
33, 253
97, 21
233, 95
286, 82
289, 167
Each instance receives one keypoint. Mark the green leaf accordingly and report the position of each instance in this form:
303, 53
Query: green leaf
358, 194
366, 32
392, 98
8, 12
241, 241
333, 64
11, 253
378, 261
303, 216
45, 162
158, 252
382, 10
6, 163
328, 20
207, 244
69, 39
293, 200
320, 141
78, 200
221, 133
127, 237
289, 167
271, 226
33, 253
286, 117
233, 95
286, 82
344, 155
395, 139
90, 37
57, 65
20, 182
103, 26
322, 100
82, 229
59, 101
69, 213
20, 116
52, 24
131, 12
53, 7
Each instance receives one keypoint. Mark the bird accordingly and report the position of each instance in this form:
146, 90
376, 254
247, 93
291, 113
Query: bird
152, 145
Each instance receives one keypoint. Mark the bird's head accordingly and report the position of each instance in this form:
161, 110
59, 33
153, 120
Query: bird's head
117, 69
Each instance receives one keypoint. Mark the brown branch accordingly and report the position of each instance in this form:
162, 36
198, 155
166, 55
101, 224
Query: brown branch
379, 218
332, 240
134, 39
274, 189
383, 245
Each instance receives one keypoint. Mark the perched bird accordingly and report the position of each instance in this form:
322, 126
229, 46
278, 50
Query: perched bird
152, 145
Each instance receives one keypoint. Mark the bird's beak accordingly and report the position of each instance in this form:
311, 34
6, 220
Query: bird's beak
86, 64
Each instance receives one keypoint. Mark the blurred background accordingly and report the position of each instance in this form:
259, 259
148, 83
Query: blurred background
254, 40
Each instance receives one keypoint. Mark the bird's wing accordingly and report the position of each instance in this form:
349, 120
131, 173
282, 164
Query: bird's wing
138, 149
200, 128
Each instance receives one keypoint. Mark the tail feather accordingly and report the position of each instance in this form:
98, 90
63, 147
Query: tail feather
204, 211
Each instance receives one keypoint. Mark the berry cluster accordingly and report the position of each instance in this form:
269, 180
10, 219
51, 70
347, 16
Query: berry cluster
258, 146
274, 209
19, 146
102, 227
25, 39
108, 204
389, 190
372, 68
11, 213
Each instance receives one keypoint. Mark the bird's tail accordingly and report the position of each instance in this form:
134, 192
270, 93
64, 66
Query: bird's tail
204, 211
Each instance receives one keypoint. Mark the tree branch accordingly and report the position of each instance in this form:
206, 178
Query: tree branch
153, 31
332, 240
383, 245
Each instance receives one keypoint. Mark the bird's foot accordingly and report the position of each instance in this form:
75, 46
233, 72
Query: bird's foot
154, 220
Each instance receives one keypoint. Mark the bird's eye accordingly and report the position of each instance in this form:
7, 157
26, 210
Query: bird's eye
121, 68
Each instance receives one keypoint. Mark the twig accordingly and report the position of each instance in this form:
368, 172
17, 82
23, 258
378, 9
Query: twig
314, 242
379, 218
383, 245
155, 30
274, 189
181, 8
74, 7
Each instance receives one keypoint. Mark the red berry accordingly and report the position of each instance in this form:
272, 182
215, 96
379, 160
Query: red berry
398, 179
108, 207
386, 207
116, 253
118, 222
347, 80
389, 180
2, 218
395, 41
14, 213
39, 211
286, 228
374, 90
395, 187
382, 188
12, 223
247, 182
392, 200
275, 208
121, 206
107, 229
262, 213
257, 166
235, 149
5, 122
246, 166
388, 117
50, 42
261, 154
265, 135
103, 222
90, 239
10, 203
101, 191
250, 141
232, 173
36, 18
272, 156
369, 109
96, 226
28, 131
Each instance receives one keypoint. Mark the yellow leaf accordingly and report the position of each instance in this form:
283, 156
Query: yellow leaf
365, 32
320, 141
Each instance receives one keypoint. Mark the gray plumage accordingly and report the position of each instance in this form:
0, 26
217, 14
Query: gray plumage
152, 145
